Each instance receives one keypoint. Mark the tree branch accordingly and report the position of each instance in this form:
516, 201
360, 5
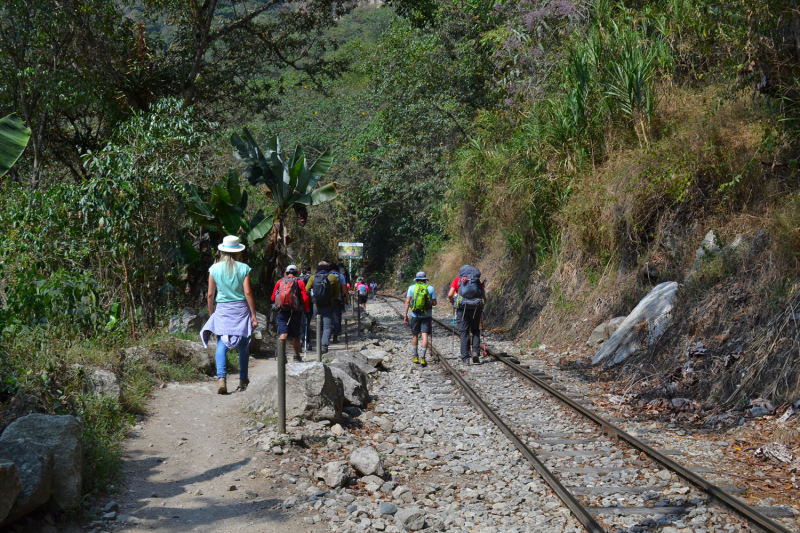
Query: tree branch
241, 22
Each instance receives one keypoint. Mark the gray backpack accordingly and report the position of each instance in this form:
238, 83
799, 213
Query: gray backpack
470, 294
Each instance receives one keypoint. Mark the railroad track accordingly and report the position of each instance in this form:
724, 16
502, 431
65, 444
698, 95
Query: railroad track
584, 458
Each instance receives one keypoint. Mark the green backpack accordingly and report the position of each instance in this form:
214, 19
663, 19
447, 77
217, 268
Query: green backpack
420, 299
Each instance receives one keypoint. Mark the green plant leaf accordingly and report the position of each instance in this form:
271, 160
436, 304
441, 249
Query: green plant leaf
219, 196
322, 164
260, 230
323, 194
188, 252
294, 173
14, 136
297, 156
232, 185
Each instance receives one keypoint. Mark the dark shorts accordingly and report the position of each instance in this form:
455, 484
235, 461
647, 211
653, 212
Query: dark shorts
362, 298
420, 325
291, 323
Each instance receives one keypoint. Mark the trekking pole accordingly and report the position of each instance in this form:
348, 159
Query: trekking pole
346, 340
483, 336
454, 330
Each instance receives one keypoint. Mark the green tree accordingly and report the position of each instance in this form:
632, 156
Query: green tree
227, 54
60, 66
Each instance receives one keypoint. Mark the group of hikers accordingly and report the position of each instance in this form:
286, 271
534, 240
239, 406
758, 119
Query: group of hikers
296, 296
467, 295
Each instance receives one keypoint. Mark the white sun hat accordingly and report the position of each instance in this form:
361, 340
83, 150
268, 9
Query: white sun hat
231, 244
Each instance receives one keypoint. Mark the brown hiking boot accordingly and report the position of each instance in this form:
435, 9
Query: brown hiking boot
222, 386
243, 383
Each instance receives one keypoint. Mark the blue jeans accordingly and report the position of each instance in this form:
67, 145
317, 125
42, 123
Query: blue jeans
244, 358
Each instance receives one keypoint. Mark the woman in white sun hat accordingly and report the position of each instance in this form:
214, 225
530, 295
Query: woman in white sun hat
235, 316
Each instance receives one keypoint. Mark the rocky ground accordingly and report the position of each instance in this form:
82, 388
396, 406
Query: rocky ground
201, 463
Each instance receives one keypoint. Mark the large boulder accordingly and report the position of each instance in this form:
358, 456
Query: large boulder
599, 335
62, 436
10, 487
604, 331
334, 474
342, 357
259, 334
355, 393
646, 323
181, 351
352, 369
366, 461
188, 320
34, 465
104, 383
311, 393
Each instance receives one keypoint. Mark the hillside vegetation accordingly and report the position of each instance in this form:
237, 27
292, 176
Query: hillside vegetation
577, 151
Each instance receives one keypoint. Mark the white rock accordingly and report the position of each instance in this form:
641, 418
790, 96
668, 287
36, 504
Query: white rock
646, 323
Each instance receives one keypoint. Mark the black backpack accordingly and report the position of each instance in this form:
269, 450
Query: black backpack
470, 294
322, 288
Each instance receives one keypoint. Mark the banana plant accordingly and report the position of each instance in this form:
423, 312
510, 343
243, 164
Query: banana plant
221, 210
14, 136
291, 182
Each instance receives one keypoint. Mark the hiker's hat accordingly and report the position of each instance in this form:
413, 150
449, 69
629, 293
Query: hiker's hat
322, 265
231, 244
291, 268
360, 280
421, 275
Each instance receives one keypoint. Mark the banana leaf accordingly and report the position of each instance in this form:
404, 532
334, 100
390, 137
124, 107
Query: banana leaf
199, 209
297, 156
14, 136
322, 164
319, 196
232, 185
323, 194
188, 252
219, 196
261, 227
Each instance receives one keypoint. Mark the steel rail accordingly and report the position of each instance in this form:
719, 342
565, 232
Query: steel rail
720, 495
578, 510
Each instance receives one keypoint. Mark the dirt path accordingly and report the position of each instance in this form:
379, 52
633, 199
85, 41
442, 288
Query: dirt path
181, 463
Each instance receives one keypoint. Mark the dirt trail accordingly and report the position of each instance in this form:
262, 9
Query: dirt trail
181, 462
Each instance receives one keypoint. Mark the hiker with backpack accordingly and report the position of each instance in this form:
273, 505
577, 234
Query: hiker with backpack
373, 289
305, 277
468, 296
420, 299
234, 318
340, 302
325, 285
362, 291
291, 299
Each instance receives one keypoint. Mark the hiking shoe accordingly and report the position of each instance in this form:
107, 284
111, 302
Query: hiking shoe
423, 362
243, 383
465, 360
297, 358
415, 360
476, 360
222, 386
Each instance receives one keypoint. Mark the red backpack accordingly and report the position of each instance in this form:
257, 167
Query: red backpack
289, 297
